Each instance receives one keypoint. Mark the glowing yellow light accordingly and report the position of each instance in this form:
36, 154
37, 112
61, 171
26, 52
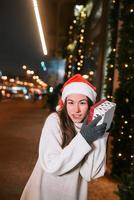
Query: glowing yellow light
12, 80
91, 73
85, 76
127, 100
126, 65
35, 77
36, 10
71, 27
82, 30
4, 87
28, 71
32, 72
4, 78
24, 66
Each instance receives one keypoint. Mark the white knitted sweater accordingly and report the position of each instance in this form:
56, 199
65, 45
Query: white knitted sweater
63, 174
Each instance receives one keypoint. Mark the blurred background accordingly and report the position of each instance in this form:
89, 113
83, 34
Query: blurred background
42, 44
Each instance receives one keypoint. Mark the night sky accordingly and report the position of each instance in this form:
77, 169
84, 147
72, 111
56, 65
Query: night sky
19, 38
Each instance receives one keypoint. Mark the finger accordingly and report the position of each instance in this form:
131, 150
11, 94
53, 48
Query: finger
95, 121
103, 125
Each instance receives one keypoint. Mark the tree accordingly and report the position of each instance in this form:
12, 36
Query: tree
122, 60
126, 186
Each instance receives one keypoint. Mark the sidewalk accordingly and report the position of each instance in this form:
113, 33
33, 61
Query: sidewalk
103, 189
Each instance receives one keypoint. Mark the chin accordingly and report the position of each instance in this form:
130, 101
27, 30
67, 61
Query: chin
77, 120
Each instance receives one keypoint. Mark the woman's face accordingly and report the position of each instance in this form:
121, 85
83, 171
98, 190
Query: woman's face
77, 107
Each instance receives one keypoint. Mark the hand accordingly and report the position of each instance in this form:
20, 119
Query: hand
92, 132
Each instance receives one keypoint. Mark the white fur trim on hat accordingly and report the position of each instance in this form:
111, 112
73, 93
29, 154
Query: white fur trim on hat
79, 88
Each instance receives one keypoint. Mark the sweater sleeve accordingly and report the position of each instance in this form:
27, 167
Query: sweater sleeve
52, 157
94, 164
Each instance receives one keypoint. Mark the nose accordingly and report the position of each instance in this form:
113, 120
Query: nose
76, 107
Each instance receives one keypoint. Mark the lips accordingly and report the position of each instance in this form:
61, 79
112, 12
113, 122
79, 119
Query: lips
76, 116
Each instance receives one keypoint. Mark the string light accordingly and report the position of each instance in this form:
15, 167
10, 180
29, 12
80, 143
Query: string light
71, 27
126, 65
69, 66
82, 30
127, 100
92, 43
91, 73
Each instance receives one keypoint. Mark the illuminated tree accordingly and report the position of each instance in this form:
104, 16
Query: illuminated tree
121, 58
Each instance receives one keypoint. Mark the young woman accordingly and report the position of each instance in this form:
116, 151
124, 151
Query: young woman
71, 152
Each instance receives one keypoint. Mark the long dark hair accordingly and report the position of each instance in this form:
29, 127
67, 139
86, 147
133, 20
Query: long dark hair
67, 125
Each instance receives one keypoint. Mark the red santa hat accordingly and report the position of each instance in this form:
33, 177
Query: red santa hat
77, 85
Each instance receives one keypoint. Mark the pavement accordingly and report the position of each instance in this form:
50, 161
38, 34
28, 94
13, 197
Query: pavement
21, 124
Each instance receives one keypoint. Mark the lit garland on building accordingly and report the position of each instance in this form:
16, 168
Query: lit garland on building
121, 58
75, 48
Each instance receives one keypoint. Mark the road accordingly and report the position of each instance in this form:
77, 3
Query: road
20, 128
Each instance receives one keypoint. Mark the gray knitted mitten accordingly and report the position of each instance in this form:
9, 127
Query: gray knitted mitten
92, 132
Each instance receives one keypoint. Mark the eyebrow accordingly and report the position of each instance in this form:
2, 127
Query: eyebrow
73, 100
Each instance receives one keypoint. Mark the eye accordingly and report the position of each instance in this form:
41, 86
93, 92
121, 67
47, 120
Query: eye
70, 102
83, 102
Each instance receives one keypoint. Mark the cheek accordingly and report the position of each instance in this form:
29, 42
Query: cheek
69, 108
85, 110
